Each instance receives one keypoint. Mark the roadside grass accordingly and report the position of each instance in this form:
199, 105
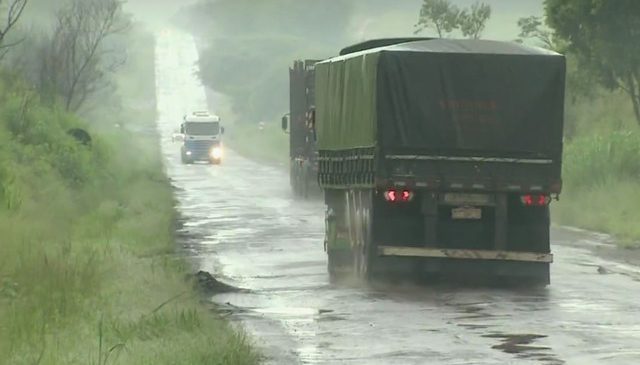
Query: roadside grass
611, 208
602, 185
269, 145
88, 270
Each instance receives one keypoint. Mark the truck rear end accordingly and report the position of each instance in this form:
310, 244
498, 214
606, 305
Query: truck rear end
441, 157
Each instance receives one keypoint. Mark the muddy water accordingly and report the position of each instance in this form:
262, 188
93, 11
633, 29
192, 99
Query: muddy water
242, 224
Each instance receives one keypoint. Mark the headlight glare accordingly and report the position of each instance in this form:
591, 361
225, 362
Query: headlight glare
216, 153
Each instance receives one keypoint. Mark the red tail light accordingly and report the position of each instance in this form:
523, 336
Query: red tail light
393, 195
535, 200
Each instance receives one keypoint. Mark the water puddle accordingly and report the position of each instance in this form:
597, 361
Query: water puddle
524, 347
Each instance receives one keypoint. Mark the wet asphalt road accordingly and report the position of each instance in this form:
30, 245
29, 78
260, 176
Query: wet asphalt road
242, 224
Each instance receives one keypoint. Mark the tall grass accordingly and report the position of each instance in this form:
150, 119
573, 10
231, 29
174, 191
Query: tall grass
598, 159
88, 273
601, 169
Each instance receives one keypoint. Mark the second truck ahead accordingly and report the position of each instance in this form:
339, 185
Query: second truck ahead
303, 165
440, 157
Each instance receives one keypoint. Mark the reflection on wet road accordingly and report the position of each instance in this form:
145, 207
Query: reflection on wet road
242, 224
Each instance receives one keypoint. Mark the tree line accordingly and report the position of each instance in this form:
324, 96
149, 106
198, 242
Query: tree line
72, 59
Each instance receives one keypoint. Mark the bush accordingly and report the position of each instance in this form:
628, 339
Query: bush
601, 174
597, 159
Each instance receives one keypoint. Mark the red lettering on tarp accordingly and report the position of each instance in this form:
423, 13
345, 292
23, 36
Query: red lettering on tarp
472, 111
468, 104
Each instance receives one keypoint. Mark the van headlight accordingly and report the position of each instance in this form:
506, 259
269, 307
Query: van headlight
216, 153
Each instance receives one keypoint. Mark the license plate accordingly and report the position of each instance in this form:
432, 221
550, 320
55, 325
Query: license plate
466, 213
467, 199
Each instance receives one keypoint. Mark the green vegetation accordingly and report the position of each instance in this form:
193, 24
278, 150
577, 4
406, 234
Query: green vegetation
601, 170
443, 17
269, 145
88, 270
602, 152
249, 45
604, 37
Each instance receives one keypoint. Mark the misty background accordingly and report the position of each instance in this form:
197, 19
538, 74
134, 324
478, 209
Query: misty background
247, 46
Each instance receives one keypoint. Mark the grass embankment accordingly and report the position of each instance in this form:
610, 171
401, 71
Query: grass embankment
269, 145
601, 168
88, 273
602, 185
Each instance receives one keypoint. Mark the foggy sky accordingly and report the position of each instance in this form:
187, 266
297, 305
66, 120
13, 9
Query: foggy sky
374, 18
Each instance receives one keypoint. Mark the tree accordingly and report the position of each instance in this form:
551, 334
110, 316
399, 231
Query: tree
77, 60
533, 28
13, 13
473, 21
605, 38
444, 18
440, 15
249, 45
579, 81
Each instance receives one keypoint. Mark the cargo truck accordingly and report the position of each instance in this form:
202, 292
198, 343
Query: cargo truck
298, 123
439, 158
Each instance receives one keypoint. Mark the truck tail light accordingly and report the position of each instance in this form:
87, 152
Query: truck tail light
535, 200
393, 195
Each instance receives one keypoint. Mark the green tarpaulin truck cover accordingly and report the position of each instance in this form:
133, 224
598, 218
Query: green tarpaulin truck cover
458, 97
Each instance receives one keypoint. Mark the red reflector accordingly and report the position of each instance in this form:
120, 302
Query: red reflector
535, 200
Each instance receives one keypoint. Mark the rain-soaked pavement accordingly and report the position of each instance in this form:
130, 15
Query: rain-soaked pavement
242, 224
